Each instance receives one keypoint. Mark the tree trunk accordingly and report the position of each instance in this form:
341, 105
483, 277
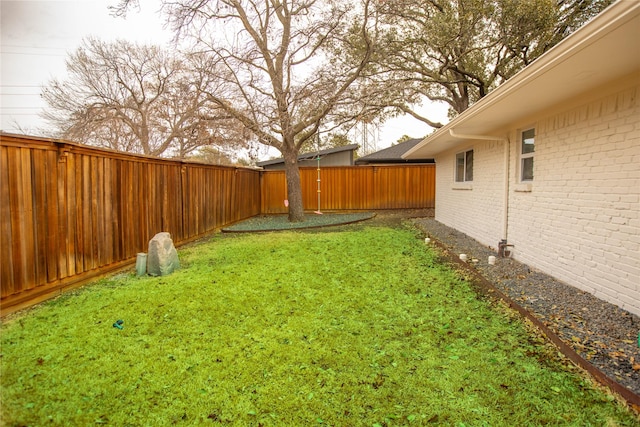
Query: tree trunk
294, 188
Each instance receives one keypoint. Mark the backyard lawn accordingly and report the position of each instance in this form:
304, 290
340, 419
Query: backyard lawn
355, 326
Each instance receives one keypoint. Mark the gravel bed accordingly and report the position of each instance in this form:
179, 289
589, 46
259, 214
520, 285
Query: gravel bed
602, 333
281, 222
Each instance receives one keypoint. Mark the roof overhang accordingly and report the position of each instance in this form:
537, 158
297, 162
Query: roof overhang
603, 50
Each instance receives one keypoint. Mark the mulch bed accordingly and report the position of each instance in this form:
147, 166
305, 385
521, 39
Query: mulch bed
281, 222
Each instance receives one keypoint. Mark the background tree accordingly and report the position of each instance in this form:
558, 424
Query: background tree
456, 51
332, 139
212, 156
278, 81
403, 138
336, 139
138, 99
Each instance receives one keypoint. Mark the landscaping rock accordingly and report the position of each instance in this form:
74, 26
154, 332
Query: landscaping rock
162, 258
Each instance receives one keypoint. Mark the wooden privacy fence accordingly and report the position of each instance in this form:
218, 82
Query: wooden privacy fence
355, 188
70, 212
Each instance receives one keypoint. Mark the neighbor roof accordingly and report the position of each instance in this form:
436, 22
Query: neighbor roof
312, 155
603, 50
393, 154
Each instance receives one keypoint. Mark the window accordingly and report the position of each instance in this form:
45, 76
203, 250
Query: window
464, 166
526, 154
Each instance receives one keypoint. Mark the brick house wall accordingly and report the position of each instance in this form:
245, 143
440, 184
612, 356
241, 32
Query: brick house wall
482, 218
579, 220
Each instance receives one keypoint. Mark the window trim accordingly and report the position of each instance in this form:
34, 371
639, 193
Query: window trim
465, 167
524, 156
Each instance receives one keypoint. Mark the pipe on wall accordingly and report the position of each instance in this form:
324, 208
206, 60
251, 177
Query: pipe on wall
505, 207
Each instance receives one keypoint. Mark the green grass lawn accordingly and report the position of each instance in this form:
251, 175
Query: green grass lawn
358, 326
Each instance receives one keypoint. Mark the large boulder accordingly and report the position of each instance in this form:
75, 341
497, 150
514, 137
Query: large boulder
162, 258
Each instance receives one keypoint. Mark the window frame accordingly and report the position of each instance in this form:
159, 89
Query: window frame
526, 156
467, 170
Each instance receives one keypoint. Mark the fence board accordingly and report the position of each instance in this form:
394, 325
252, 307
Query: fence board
23, 242
71, 214
274, 192
39, 174
51, 220
6, 236
62, 240
107, 226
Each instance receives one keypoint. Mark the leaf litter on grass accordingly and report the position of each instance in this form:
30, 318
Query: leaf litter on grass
359, 326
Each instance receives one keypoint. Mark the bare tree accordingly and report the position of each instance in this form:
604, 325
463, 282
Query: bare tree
273, 58
138, 99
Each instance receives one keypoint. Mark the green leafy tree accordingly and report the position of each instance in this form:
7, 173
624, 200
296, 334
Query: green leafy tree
457, 51
337, 139
403, 138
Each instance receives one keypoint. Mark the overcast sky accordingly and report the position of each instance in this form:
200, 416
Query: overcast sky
37, 36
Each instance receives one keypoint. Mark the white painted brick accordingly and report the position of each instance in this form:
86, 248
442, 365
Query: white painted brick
619, 220
630, 301
634, 273
581, 220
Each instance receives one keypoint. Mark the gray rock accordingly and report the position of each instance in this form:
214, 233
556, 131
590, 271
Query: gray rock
162, 258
